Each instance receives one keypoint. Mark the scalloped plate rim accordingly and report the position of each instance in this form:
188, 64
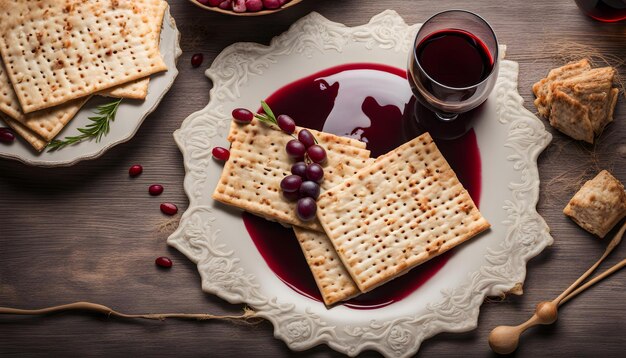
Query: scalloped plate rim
543, 140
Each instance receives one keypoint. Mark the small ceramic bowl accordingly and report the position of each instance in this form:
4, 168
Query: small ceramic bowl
258, 13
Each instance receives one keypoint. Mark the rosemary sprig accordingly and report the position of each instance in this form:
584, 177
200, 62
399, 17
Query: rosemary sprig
98, 127
268, 117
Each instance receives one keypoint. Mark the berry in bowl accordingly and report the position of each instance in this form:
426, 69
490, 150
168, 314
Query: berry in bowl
245, 7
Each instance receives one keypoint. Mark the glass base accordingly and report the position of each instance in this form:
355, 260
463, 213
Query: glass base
449, 127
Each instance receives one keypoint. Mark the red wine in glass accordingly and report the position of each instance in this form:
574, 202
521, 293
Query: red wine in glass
604, 10
452, 69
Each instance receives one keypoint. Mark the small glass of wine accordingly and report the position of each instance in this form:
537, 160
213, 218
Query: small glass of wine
604, 10
453, 67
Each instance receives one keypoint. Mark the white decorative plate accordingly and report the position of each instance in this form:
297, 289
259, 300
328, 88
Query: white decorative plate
509, 137
130, 114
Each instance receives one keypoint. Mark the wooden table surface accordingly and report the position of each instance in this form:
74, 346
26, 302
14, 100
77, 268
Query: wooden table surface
88, 232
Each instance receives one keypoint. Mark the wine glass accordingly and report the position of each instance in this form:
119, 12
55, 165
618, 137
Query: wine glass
452, 69
604, 10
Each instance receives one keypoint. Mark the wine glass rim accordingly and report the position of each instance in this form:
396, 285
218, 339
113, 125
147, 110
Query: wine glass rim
496, 59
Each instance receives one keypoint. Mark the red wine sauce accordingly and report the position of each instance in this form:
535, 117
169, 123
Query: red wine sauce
373, 103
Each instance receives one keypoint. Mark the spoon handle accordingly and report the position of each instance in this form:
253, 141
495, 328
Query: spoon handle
595, 280
613, 244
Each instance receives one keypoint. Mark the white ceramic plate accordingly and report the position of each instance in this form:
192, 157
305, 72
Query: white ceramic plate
510, 138
130, 114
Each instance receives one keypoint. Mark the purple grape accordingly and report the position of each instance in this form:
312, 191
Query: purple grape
299, 169
242, 115
306, 208
306, 138
309, 189
286, 123
293, 196
314, 172
291, 183
316, 153
295, 148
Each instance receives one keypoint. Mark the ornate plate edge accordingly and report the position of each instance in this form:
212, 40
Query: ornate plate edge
527, 235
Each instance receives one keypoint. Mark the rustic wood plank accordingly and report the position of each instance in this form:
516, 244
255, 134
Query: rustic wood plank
61, 229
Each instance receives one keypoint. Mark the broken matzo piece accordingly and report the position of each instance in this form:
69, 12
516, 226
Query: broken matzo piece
598, 205
258, 162
593, 90
56, 51
542, 89
571, 117
401, 211
332, 278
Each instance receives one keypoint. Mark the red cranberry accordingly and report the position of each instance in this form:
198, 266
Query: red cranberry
163, 261
135, 170
242, 115
220, 153
196, 59
254, 5
214, 2
169, 209
271, 4
226, 5
6, 136
239, 6
155, 189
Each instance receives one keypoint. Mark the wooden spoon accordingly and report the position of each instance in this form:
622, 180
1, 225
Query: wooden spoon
504, 339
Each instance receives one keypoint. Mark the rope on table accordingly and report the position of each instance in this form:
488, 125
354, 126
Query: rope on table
248, 316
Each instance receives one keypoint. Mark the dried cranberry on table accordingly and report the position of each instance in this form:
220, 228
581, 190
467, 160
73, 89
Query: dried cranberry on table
169, 208
135, 170
163, 261
6, 136
155, 189
196, 59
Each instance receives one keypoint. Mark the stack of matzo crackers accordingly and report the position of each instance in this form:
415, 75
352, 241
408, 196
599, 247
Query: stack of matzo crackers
577, 99
377, 218
56, 54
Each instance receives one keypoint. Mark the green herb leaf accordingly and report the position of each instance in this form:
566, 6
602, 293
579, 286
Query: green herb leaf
265, 119
268, 111
98, 127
